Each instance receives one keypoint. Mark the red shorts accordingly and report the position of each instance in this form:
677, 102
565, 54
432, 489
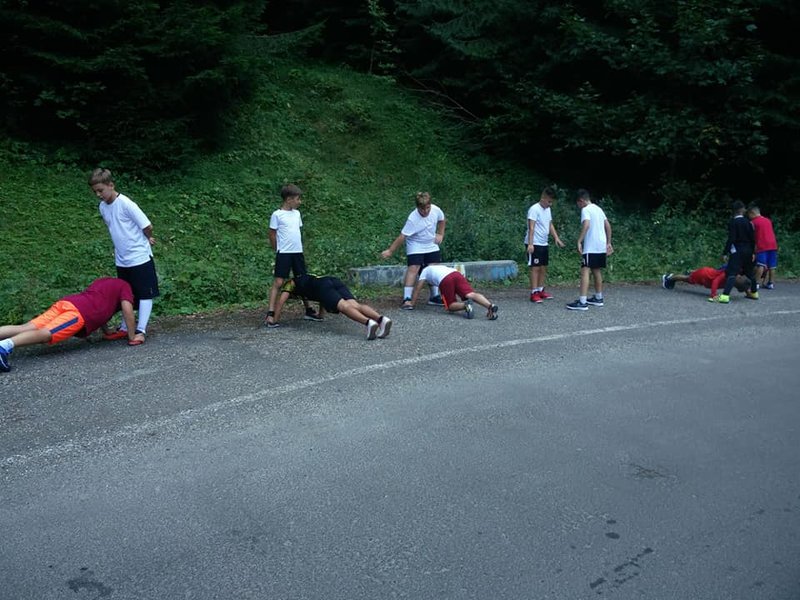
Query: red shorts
62, 320
453, 284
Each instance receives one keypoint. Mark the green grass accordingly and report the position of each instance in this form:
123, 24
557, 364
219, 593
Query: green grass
360, 147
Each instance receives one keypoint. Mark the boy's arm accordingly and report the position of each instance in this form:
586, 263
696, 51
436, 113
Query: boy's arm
716, 282
440, 231
417, 289
531, 226
273, 239
393, 246
609, 247
554, 233
584, 229
148, 233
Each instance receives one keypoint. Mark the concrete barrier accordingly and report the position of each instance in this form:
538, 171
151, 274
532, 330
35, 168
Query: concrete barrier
392, 275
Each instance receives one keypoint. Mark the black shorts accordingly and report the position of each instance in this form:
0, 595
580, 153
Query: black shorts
331, 290
594, 261
142, 279
423, 260
540, 256
293, 262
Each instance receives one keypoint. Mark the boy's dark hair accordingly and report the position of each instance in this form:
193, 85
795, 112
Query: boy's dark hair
550, 192
737, 205
742, 283
100, 175
583, 194
289, 191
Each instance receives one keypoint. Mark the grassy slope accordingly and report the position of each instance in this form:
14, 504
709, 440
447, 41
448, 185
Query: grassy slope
359, 147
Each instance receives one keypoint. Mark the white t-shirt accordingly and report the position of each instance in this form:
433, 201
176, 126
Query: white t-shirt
434, 274
541, 230
287, 223
420, 231
595, 241
125, 221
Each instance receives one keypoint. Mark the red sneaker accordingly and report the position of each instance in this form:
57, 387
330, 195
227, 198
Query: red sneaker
544, 295
536, 297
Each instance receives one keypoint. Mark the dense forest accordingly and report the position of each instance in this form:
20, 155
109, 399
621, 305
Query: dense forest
680, 101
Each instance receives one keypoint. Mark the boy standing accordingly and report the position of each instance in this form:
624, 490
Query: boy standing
453, 284
766, 245
540, 227
594, 245
132, 234
75, 315
739, 252
422, 233
287, 242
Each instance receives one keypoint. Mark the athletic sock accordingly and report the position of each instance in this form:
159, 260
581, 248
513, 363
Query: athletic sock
7, 345
598, 295
434, 290
145, 308
582, 299
408, 291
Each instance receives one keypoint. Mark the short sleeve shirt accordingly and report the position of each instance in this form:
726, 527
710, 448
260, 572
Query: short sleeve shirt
100, 301
287, 224
595, 241
541, 230
434, 274
765, 234
420, 231
125, 221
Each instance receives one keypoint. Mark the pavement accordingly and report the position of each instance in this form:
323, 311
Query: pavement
645, 449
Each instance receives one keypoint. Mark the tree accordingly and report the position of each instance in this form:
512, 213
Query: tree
139, 82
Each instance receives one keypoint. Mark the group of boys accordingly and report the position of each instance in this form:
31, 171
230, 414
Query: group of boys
750, 256
135, 286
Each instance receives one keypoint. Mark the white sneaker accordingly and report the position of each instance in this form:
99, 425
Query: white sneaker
372, 329
384, 327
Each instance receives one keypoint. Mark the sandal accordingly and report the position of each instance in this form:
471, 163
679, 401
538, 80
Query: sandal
115, 335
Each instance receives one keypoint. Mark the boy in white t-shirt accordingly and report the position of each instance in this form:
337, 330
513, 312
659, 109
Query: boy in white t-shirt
422, 234
540, 227
457, 293
594, 245
287, 242
132, 234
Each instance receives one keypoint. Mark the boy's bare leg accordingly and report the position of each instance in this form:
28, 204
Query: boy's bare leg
352, 310
675, 277
480, 299
7, 331
31, 336
273, 294
598, 281
585, 272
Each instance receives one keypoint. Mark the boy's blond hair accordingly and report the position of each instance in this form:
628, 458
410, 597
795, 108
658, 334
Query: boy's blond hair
100, 175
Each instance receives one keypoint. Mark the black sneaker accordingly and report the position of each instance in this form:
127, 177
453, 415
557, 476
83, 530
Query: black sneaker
595, 301
492, 316
5, 365
436, 301
578, 305
311, 315
406, 305
666, 281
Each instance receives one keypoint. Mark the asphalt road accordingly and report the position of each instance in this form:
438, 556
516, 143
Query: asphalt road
646, 449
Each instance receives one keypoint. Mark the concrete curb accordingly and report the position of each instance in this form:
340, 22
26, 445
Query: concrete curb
392, 275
